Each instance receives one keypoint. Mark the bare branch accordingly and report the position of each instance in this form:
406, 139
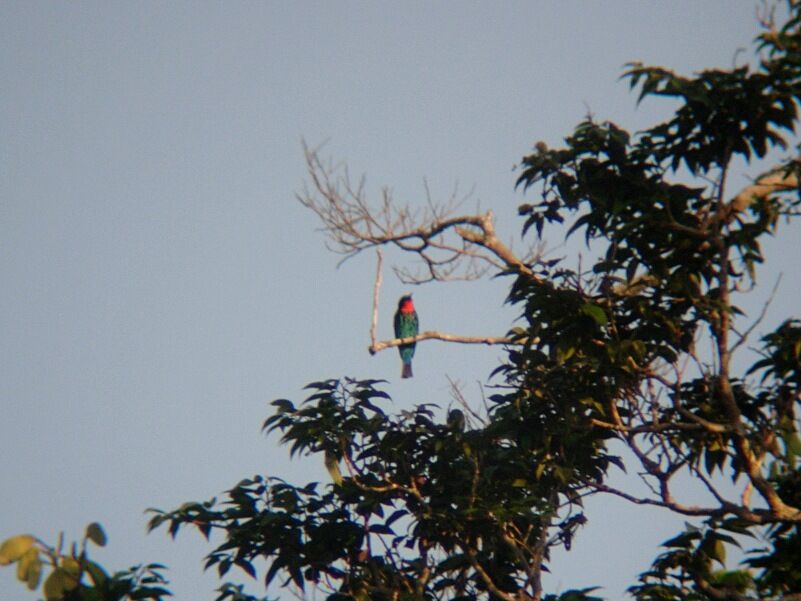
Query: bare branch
777, 180
433, 335
376, 292
744, 336
754, 516
448, 245
485, 576
458, 396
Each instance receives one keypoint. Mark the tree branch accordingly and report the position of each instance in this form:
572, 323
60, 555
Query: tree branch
433, 335
449, 246
376, 292
485, 576
783, 179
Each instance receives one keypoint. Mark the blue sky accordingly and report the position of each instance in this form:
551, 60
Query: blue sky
160, 284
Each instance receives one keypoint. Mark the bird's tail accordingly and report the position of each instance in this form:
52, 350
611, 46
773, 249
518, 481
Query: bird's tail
407, 370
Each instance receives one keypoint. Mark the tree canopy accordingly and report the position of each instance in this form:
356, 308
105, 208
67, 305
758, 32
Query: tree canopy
626, 365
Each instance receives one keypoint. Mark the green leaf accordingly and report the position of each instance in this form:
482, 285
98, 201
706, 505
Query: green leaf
14, 548
794, 445
34, 573
684, 539
596, 312
72, 572
715, 549
739, 580
28, 559
150, 592
332, 465
283, 406
617, 461
96, 572
564, 351
247, 567
720, 552
55, 585
95, 533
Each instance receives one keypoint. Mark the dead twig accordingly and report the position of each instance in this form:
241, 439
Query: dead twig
376, 292
449, 246
433, 335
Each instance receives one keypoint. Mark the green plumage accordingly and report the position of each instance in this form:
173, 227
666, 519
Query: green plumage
406, 325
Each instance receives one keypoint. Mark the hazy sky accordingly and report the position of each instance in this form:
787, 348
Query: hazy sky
159, 284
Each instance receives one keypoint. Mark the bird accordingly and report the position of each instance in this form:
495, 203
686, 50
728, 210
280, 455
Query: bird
456, 420
406, 325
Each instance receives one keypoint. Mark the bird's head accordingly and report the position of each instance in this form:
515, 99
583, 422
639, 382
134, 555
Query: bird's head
405, 304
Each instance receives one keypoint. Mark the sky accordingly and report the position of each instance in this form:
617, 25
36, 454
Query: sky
160, 284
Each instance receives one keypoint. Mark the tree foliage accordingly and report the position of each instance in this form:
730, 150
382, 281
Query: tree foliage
73, 576
629, 365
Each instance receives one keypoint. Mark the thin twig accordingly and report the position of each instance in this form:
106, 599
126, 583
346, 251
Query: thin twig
449, 246
776, 180
458, 396
744, 336
433, 335
376, 291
